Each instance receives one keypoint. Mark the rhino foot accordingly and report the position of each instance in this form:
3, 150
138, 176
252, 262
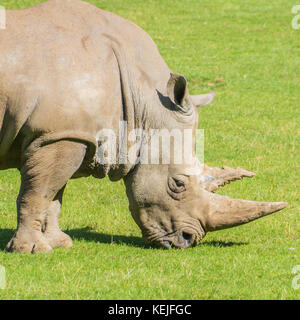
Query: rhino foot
28, 242
58, 239
45, 172
50, 228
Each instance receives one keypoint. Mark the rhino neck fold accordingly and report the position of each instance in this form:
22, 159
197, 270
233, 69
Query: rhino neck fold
141, 106
133, 108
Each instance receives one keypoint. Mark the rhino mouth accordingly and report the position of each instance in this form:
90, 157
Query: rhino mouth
177, 239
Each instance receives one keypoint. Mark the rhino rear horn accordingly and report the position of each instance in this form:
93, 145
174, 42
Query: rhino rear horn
225, 212
212, 178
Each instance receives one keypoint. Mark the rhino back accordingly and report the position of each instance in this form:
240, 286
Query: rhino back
59, 77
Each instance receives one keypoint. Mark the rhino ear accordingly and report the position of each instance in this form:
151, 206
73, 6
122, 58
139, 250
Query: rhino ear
177, 91
202, 99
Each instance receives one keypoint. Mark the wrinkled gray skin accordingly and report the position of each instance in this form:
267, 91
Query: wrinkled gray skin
68, 70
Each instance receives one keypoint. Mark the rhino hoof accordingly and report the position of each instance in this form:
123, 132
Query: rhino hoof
58, 239
28, 245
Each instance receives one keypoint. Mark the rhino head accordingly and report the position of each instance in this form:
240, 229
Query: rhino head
174, 204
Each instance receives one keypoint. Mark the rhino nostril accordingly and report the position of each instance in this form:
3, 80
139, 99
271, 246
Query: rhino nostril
187, 236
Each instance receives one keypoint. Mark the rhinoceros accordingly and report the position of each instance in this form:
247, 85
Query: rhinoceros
68, 70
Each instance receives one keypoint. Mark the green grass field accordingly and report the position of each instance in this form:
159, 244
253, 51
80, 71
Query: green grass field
253, 123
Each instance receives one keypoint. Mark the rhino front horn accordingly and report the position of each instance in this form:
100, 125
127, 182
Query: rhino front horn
224, 212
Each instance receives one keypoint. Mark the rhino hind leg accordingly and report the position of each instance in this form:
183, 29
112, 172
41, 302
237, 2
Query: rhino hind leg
50, 227
45, 172
213, 178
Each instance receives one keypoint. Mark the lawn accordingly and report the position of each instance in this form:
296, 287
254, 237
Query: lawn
249, 54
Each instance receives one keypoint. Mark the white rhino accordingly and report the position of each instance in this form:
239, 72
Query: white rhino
69, 70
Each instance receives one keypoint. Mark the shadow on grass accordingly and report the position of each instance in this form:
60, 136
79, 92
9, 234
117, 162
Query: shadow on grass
5, 236
222, 244
88, 235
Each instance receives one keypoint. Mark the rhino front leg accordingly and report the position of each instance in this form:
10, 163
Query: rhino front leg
45, 172
50, 228
212, 178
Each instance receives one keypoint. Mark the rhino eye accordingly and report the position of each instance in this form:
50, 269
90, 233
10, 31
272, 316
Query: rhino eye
176, 184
